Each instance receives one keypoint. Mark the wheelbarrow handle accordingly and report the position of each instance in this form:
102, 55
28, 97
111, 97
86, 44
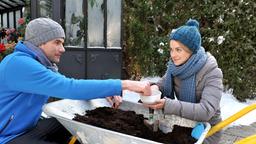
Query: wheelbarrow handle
73, 140
231, 119
248, 140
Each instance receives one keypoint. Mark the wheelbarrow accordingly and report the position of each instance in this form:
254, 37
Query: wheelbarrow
64, 111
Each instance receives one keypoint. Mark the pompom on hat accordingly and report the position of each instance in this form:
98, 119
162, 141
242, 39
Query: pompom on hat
42, 30
188, 35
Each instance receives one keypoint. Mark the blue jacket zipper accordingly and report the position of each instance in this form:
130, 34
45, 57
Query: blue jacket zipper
8, 122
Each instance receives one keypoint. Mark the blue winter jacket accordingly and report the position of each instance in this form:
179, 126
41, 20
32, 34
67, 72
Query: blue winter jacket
26, 84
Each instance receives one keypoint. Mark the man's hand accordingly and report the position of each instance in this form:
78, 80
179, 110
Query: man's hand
114, 101
137, 86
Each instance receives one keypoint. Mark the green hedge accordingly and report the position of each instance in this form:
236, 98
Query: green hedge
228, 29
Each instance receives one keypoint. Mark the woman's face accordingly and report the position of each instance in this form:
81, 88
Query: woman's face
179, 53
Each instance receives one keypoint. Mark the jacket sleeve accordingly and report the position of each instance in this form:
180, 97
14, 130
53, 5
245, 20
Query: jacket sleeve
160, 83
209, 102
25, 74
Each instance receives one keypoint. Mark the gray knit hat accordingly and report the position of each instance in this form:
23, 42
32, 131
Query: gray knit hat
42, 30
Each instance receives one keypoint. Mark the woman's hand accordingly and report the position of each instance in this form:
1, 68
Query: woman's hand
154, 87
157, 105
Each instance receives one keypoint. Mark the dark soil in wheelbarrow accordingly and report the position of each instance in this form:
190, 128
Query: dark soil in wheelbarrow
128, 122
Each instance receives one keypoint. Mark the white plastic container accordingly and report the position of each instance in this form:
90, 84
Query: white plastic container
156, 95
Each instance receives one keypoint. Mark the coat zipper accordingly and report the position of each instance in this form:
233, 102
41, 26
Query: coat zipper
8, 122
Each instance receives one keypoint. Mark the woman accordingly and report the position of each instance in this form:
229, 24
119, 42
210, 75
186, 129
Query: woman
193, 77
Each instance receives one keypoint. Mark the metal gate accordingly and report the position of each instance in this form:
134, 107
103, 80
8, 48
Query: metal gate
93, 35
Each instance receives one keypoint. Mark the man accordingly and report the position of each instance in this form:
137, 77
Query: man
29, 76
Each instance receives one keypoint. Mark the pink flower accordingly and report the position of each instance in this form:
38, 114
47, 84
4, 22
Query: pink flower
21, 21
12, 30
8, 31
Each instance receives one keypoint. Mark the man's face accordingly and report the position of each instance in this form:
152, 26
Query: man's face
53, 49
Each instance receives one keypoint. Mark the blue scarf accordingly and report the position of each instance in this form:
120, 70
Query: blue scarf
187, 74
37, 53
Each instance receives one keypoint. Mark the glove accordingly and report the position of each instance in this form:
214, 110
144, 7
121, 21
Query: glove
197, 130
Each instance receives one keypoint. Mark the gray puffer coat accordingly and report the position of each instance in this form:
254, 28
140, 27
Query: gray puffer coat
209, 89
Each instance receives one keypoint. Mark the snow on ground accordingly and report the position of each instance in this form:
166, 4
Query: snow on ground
229, 105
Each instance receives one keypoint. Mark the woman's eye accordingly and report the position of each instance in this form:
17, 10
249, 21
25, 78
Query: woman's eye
178, 50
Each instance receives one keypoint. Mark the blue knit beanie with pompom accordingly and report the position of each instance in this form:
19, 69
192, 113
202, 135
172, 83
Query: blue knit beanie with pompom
188, 35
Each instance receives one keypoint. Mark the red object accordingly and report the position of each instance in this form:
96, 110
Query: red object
21, 21
2, 47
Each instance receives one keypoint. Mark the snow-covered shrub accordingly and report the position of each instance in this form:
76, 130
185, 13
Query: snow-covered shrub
228, 29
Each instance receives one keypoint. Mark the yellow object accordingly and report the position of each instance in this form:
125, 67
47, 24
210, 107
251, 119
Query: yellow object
73, 140
231, 119
248, 140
